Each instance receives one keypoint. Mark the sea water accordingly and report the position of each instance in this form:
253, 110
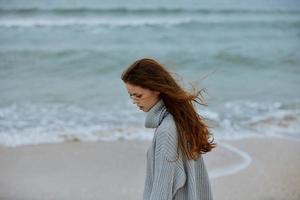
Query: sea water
61, 62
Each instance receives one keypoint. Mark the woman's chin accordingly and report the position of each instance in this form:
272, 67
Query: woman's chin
143, 109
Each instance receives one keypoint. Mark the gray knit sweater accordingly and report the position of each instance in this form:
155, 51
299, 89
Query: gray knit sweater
180, 180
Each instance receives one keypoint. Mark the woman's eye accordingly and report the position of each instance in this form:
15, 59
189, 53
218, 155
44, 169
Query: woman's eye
135, 96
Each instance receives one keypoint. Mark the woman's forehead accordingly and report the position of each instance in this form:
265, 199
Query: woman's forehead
135, 88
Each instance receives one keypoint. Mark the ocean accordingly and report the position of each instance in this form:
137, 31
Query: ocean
61, 62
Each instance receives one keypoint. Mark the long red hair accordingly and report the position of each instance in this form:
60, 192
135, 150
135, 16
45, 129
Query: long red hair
194, 136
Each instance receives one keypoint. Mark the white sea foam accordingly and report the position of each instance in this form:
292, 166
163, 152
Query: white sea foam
28, 123
283, 122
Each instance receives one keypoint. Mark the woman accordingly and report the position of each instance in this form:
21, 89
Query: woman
175, 168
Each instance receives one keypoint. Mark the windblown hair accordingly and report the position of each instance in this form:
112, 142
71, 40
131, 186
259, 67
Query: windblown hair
194, 137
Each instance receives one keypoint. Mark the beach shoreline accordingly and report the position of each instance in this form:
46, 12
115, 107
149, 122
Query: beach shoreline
250, 168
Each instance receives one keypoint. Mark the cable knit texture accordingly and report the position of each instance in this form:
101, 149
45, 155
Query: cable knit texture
166, 177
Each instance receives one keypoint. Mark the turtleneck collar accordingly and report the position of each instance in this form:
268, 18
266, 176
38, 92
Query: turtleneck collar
156, 114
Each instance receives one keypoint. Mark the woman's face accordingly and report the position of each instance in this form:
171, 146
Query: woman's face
144, 98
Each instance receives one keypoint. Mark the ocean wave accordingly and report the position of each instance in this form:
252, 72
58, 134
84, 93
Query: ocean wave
140, 11
268, 119
141, 22
28, 123
281, 122
160, 16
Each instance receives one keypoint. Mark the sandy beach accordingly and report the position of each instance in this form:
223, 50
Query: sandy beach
254, 168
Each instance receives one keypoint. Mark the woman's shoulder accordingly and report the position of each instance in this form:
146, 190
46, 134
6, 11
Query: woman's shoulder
167, 125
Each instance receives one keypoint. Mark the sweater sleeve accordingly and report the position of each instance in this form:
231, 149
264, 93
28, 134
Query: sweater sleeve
164, 171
